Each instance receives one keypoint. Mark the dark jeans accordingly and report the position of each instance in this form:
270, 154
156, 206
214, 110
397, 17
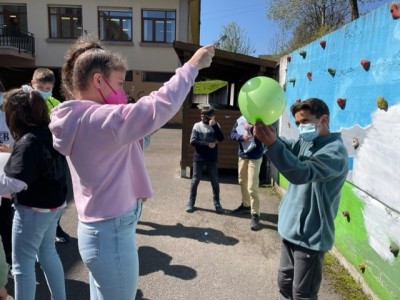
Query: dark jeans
212, 170
300, 272
6, 221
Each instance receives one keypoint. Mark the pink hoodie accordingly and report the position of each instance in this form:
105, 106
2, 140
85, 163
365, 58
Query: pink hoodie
103, 145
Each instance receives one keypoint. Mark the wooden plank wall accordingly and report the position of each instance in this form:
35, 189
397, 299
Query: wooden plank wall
227, 149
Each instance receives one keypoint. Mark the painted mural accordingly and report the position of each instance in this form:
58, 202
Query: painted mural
356, 70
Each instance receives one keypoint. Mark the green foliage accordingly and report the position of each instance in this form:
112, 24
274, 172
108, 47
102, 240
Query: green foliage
207, 87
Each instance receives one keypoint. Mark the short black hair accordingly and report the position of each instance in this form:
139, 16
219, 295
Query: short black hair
208, 111
316, 106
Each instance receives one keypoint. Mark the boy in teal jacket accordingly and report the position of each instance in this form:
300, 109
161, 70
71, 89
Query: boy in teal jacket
316, 166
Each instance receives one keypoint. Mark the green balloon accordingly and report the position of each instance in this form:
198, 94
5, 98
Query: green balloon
262, 99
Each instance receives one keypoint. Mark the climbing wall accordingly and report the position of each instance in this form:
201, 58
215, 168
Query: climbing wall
356, 70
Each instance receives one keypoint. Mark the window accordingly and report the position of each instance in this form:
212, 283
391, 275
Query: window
158, 26
13, 19
115, 24
65, 22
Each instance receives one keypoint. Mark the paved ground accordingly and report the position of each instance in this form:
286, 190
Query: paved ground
190, 256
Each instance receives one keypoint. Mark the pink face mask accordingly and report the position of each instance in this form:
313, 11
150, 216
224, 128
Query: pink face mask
114, 97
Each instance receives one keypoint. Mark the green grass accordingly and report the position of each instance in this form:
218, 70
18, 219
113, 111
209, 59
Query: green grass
207, 87
341, 280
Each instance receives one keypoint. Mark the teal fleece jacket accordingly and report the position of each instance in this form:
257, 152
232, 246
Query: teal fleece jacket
316, 172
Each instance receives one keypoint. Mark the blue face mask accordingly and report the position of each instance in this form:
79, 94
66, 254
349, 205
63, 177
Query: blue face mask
45, 95
308, 132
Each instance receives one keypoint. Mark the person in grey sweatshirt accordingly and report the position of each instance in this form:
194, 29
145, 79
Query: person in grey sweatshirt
316, 166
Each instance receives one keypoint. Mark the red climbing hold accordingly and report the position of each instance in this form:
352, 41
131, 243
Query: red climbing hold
341, 102
309, 76
289, 58
366, 64
323, 44
395, 10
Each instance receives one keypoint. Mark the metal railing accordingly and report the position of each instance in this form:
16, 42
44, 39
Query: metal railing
15, 37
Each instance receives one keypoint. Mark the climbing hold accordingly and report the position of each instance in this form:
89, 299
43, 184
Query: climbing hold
341, 102
382, 103
309, 75
362, 266
289, 58
395, 10
346, 214
284, 87
303, 53
394, 248
323, 44
298, 100
355, 142
292, 80
365, 64
332, 71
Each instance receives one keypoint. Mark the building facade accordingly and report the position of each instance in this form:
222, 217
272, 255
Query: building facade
37, 33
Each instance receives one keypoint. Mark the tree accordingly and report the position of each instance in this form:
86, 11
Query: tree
308, 20
355, 14
235, 40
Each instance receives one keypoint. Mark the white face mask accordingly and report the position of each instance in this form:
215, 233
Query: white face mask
45, 95
308, 132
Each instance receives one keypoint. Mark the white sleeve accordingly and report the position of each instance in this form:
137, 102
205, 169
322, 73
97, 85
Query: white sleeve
9, 185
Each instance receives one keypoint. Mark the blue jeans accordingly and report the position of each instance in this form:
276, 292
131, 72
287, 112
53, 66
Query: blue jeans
108, 249
33, 238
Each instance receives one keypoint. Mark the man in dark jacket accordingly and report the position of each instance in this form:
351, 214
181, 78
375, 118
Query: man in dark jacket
204, 138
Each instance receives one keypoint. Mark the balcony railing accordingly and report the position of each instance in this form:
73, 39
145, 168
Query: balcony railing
17, 38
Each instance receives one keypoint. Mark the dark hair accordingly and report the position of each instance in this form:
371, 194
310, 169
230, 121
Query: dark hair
2, 89
208, 111
44, 75
23, 110
316, 106
85, 58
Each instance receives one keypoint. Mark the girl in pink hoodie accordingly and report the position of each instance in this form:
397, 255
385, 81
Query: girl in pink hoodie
102, 137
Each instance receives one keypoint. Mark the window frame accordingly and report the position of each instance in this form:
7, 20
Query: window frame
106, 36
156, 21
60, 17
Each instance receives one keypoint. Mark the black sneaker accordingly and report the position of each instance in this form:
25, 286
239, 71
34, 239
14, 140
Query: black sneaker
219, 209
241, 210
255, 222
190, 208
62, 236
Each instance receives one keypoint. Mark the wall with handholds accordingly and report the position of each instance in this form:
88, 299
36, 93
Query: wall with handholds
356, 70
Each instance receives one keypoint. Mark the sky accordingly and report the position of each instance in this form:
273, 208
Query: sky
250, 15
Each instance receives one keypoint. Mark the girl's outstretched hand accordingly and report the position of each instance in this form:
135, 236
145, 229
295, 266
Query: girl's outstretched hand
202, 57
